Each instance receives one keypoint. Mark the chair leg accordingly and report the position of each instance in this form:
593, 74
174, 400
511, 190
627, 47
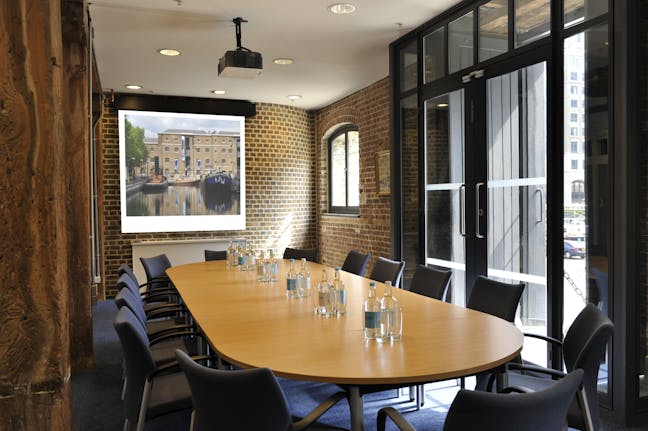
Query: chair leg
584, 405
126, 425
420, 393
144, 406
193, 419
123, 394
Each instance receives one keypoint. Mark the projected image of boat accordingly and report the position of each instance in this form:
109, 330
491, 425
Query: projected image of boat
156, 184
217, 191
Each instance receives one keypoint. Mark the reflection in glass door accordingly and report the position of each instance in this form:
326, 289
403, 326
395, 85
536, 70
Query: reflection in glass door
516, 118
444, 188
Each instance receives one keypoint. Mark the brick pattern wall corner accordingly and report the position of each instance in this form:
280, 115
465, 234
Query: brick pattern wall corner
369, 109
280, 187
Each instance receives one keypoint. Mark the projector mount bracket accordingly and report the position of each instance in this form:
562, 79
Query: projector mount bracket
237, 22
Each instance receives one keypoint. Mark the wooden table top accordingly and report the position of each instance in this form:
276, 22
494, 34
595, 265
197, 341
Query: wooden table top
253, 324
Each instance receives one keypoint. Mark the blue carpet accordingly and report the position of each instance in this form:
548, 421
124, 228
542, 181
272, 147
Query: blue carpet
96, 404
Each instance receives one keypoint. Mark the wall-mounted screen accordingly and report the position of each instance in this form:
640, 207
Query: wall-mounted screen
181, 172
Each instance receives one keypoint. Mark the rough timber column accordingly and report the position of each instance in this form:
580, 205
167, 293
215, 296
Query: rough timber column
34, 322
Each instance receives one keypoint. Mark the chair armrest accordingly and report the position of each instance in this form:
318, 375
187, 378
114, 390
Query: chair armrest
172, 335
174, 366
396, 417
517, 389
164, 311
155, 335
322, 408
150, 295
550, 340
536, 369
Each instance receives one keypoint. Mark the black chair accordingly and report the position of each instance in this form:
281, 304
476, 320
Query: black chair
484, 411
155, 268
497, 299
150, 391
356, 263
151, 300
431, 282
387, 270
583, 348
310, 254
242, 400
215, 255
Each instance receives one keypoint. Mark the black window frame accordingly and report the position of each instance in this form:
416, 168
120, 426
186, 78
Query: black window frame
347, 209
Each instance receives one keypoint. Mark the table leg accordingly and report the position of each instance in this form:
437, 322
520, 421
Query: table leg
357, 409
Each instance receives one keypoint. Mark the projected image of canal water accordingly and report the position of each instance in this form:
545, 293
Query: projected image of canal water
181, 201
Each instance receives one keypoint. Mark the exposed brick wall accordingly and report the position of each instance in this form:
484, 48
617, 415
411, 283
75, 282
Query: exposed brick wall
280, 187
369, 109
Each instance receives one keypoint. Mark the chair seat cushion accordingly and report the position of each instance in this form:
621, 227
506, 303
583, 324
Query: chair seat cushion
170, 393
164, 352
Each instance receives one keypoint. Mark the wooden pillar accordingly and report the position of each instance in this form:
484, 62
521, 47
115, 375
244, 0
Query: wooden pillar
34, 247
74, 24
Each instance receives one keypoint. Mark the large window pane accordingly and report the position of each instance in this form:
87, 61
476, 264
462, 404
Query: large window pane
408, 67
493, 29
460, 43
434, 49
532, 20
338, 171
577, 11
353, 174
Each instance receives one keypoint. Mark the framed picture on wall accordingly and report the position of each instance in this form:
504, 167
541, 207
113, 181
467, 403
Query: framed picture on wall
383, 178
181, 172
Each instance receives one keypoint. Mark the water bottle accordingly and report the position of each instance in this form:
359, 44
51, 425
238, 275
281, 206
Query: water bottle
339, 293
261, 268
371, 308
389, 312
323, 296
291, 281
303, 280
233, 257
230, 253
250, 258
240, 252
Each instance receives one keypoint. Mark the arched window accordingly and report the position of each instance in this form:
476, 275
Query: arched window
578, 191
344, 170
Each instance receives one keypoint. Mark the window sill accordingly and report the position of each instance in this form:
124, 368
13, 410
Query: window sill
341, 218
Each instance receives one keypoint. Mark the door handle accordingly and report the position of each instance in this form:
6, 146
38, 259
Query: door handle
478, 211
540, 194
462, 212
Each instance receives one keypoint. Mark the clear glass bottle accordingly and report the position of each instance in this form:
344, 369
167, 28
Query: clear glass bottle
323, 307
233, 257
272, 267
291, 281
240, 253
389, 312
261, 268
339, 294
304, 280
230, 252
250, 258
371, 308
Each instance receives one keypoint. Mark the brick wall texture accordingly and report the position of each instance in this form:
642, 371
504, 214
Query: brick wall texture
286, 183
369, 110
280, 187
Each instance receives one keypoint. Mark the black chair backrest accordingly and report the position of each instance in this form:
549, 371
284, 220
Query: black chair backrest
584, 348
215, 255
137, 358
537, 411
297, 253
235, 400
387, 270
495, 298
356, 262
126, 298
125, 269
155, 268
431, 282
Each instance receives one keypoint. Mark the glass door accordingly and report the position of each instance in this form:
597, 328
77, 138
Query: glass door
445, 224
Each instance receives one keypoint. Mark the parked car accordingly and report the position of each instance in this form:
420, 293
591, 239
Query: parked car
574, 249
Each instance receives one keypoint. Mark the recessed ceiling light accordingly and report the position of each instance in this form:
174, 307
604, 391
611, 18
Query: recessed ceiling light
169, 52
283, 61
342, 8
133, 86
218, 91
294, 96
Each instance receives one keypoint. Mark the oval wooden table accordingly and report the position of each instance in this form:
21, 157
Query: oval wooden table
253, 324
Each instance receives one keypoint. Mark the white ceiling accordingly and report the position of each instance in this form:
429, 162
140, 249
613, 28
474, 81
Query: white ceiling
335, 55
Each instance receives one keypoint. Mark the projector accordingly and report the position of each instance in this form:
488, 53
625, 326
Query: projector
241, 63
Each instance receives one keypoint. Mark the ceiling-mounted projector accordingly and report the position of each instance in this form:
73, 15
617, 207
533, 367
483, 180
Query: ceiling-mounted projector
240, 63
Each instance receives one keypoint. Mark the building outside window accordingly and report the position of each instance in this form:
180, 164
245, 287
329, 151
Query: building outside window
344, 171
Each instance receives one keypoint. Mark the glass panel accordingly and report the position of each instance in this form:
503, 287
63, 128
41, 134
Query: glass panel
338, 170
532, 20
410, 185
577, 11
493, 29
354, 169
586, 188
460, 43
434, 49
517, 148
444, 197
408, 67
